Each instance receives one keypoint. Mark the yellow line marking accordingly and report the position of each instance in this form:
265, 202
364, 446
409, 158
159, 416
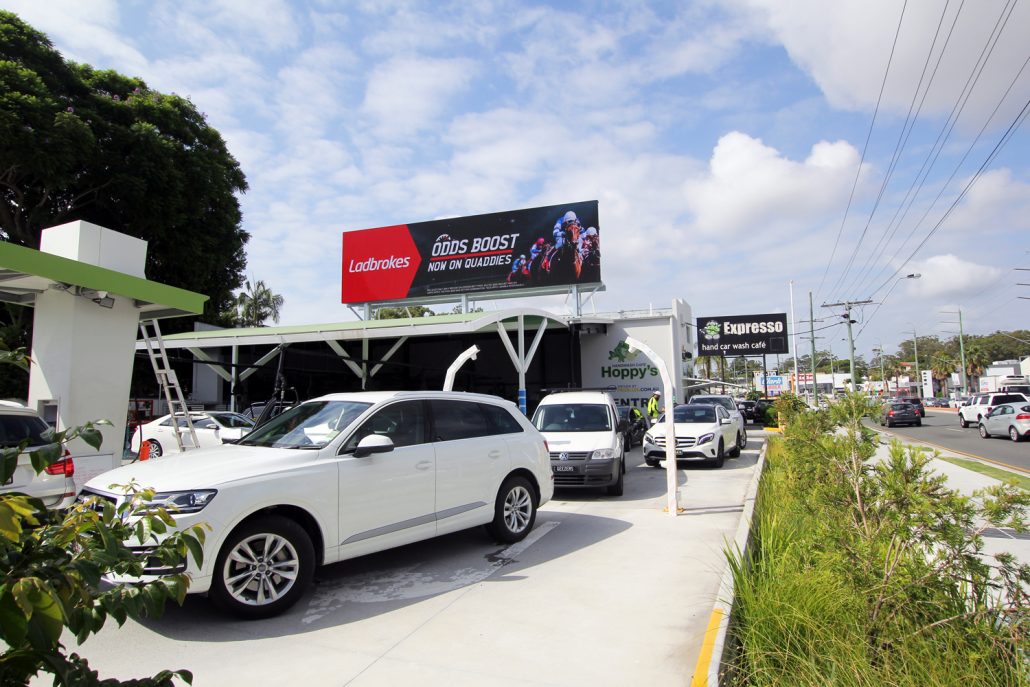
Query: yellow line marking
1007, 466
701, 669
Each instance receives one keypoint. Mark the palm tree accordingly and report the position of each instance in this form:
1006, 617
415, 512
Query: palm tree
891, 368
977, 361
705, 363
941, 368
256, 303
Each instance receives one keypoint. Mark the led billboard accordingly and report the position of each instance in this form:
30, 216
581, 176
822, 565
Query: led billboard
536, 250
730, 335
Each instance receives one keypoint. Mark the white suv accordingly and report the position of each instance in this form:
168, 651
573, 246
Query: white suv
54, 485
341, 476
980, 405
727, 402
586, 438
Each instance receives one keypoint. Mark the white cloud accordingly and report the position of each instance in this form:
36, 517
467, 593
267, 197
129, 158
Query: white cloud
752, 187
948, 276
406, 95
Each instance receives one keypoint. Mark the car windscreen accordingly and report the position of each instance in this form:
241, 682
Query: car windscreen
572, 417
714, 400
16, 428
232, 420
694, 413
307, 426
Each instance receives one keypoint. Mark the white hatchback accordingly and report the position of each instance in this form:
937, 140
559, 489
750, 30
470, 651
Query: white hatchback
341, 476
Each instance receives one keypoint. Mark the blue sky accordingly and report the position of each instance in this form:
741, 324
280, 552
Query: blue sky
723, 140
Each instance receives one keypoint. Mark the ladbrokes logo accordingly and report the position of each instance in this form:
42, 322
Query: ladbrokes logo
374, 264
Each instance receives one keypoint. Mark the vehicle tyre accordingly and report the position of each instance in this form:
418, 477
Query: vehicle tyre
983, 432
1014, 434
735, 451
155, 448
617, 488
962, 421
263, 568
889, 423
720, 456
652, 462
514, 511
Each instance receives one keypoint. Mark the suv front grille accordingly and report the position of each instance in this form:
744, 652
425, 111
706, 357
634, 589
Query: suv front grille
571, 455
681, 442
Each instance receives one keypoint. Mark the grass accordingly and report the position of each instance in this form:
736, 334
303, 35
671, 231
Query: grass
1021, 481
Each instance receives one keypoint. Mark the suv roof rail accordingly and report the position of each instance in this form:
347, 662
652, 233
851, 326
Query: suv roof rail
558, 390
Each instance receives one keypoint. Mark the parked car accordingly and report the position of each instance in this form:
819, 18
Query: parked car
1012, 419
213, 428
585, 437
747, 409
634, 433
55, 484
915, 401
980, 405
395, 468
704, 432
731, 408
899, 413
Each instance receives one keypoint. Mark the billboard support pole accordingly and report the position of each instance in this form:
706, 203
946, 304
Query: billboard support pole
577, 308
765, 376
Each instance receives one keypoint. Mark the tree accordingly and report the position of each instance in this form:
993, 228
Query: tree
402, 313
977, 361
941, 368
82, 143
704, 363
255, 304
52, 563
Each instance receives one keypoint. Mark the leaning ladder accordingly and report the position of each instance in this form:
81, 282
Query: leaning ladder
169, 382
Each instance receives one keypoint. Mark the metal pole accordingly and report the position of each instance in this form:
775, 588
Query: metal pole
794, 335
883, 381
919, 378
962, 353
851, 346
671, 477
765, 377
811, 332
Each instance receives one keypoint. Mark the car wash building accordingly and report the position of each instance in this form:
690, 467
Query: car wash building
522, 352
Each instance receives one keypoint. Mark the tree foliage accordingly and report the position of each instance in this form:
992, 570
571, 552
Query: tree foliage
256, 304
83, 143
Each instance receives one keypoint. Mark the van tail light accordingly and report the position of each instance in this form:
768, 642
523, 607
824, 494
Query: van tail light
65, 466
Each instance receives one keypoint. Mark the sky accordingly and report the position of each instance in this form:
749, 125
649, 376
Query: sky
739, 149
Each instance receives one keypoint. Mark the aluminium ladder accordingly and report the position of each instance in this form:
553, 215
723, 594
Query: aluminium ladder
169, 382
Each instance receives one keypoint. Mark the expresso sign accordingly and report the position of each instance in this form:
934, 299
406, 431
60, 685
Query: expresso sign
537, 249
742, 334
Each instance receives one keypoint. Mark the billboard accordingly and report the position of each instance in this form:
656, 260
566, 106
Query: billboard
742, 335
538, 249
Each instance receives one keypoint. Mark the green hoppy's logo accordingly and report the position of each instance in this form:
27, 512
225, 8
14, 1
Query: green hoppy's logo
621, 353
711, 330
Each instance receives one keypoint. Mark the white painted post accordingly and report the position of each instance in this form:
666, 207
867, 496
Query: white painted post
672, 483
470, 352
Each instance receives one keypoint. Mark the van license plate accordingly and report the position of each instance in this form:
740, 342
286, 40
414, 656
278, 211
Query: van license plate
564, 468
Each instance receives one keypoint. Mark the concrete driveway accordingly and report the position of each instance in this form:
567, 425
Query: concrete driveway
605, 591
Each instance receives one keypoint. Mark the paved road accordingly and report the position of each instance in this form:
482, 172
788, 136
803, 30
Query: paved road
941, 427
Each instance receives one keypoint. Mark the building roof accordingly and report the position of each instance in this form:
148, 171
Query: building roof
25, 273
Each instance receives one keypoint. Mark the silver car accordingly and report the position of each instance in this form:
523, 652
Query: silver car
1012, 419
54, 485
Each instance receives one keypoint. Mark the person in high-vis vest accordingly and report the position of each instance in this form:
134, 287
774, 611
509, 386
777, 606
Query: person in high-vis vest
653, 408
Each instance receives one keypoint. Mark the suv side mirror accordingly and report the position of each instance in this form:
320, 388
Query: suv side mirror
373, 443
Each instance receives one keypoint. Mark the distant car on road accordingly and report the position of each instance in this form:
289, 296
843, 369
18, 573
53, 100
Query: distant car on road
917, 402
899, 413
1012, 419
747, 409
981, 405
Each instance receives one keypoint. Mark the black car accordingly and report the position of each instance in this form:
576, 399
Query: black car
635, 428
899, 413
917, 402
747, 409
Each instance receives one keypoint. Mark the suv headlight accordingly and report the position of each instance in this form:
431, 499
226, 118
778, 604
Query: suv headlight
648, 438
603, 454
705, 438
183, 502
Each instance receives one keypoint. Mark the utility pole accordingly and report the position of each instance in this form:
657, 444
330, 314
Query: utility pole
883, 382
811, 332
794, 334
919, 378
961, 348
851, 339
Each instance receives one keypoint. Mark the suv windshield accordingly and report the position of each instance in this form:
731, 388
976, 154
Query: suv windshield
307, 426
714, 400
572, 417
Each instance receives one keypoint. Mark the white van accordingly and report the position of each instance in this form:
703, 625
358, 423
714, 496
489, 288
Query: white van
585, 437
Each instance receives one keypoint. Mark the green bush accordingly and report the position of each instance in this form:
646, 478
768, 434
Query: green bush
52, 563
873, 573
